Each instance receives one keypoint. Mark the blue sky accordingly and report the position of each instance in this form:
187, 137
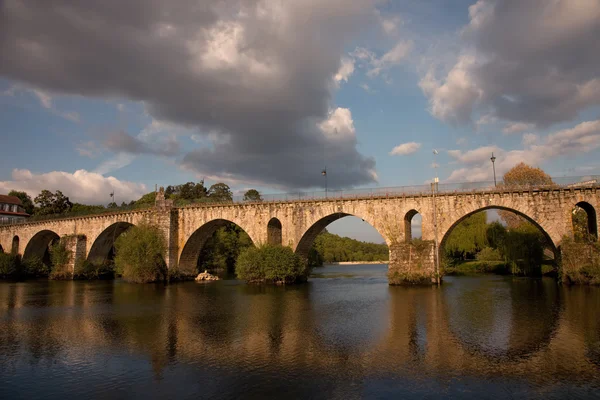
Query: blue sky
263, 94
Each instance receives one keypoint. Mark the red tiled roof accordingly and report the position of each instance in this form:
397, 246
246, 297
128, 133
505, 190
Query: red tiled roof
4, 199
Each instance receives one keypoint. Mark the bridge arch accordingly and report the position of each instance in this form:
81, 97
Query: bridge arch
274, 232
15, 245
408, 219
592, 228
1, 249
190, 254
102, 249
38, 245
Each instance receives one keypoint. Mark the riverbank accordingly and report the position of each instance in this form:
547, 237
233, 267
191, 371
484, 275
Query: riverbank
355, 262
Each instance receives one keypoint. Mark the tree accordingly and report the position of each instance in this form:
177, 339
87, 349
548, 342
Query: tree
468, 237
252, 195
522, 176
220, 192
25, 199
52, 203
140, 254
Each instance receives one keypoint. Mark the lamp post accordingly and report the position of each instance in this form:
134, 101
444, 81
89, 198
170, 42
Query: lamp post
494, 167
324, 173
434, 189
112, 195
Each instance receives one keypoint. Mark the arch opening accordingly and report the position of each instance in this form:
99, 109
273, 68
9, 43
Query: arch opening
274, 232
214, 246
39, 245
103, 249
320, 246
15, 246
413, 224
1, 249
498, 240
584, 220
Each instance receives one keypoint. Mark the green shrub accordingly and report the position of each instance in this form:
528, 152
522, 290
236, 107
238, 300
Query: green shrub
60, 257
88, 270
34, 267
140, 254
9, 266
488, 254
271, 264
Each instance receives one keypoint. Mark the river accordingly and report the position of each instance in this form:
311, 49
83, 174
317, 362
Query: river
346, 334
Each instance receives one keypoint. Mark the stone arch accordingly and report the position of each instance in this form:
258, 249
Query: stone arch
103, 247
15, 245
194, 244
408, 224
1, 249
274, 232
308, 237
38, 245
591, 216
444, 234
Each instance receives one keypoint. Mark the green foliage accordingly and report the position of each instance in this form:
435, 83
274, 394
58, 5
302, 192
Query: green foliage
580, 226
188, 191
271, 264
146, 200
52, 203
221, 250
479, 267
334, 248
25, 200
252, 195
489, 254
60, 256
34, 267
9, 266
79, 208
468, 237
315, 259
87, 270
396, 277
580, 262
140, 254
220, 192
524, 249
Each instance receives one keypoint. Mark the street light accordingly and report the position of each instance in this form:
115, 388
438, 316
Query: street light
434, 188
494, 167
324, 173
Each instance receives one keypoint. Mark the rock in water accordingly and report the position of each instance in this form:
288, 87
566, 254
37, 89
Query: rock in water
205, 276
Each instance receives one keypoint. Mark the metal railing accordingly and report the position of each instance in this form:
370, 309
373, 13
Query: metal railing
366, 193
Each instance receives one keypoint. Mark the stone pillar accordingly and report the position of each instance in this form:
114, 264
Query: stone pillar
76, 244
412, 263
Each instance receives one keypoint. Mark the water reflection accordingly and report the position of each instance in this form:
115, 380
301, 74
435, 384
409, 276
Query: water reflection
333, 338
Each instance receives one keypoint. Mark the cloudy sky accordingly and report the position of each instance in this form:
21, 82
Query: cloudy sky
122, 95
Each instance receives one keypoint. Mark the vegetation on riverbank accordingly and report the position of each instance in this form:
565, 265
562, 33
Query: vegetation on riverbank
140, 254
14, 268
329, 247
271, 264
580, 262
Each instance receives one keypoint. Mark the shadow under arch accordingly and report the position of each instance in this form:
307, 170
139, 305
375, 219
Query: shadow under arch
15, 245
103, 247
274, 229
38, 245
1, 249
193, 247
494, 207
591, 217
308, 238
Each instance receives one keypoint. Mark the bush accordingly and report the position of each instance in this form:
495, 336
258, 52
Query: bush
488, 254
140, 254
9, 266
271, 264
580, 262
85, 269
34, 267
60, 257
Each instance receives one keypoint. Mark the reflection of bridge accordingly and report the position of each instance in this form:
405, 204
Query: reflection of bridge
296, 223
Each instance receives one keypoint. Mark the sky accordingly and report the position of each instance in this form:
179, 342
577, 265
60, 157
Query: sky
121, 96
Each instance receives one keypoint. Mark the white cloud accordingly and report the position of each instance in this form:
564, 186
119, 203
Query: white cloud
81, 186
117, 162
390, 59
405, 149
517, 127
345, 71
529, 139
338, 125
44, 98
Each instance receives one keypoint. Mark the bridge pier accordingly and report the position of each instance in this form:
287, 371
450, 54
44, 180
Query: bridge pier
76, 245
412, 263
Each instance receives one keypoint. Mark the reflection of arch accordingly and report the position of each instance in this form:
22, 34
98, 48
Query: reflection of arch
274, 232
191, 251
591, 217
407, 225
535, 223
15, 245
103, 247
38, 245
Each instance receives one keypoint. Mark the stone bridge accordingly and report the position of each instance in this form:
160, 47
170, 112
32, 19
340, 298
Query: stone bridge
297, 223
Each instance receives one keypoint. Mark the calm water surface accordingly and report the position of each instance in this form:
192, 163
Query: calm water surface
345, 335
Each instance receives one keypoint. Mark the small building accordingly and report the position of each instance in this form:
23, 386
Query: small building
11, 210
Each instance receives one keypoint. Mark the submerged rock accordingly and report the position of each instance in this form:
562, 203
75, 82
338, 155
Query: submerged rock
205, 276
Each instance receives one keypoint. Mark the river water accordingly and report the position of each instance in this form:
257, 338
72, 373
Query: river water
344, 335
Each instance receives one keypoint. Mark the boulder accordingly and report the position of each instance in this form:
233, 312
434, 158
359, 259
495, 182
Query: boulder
205, 276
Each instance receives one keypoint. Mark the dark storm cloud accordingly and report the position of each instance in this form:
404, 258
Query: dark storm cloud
121, 142
535, 61
258, 72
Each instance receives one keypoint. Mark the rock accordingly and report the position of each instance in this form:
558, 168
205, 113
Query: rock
205, 276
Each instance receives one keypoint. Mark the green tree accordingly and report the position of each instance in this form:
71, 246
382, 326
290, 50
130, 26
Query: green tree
271, 264
222, 249
220, 192
25, 199
147, 199
52, 203
140, 253
252, 195
468, 237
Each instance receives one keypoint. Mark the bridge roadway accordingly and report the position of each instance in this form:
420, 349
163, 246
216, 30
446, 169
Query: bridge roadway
296, 224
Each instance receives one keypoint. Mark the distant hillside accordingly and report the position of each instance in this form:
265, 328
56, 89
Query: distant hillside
329, 247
